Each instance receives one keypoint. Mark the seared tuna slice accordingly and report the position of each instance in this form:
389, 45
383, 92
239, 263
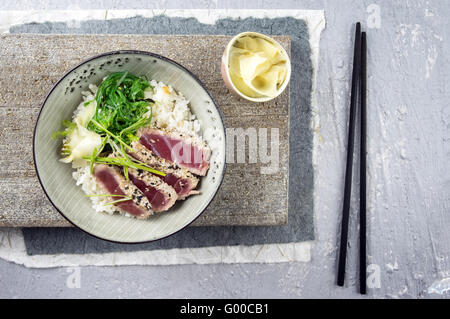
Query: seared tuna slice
160, 195
182, 149
113, 182
184, 186
180, 179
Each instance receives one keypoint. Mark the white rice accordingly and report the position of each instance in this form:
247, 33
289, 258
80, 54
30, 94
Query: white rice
170, 111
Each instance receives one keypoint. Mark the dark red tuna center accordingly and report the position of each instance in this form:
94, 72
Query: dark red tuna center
156, 198
174, 150
180, 185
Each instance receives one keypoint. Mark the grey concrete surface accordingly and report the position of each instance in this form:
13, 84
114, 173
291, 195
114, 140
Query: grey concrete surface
409, 202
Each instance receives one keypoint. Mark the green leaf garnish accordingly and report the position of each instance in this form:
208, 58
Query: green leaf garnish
124, 198
107, 195
122, 161
69, 127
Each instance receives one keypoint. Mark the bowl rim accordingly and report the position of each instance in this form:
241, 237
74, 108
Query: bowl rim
226, 59
118, 52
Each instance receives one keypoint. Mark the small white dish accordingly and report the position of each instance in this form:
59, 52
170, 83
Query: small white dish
226, 72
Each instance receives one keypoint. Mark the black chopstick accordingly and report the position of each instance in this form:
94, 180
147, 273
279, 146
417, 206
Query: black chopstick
362, 184
350, 147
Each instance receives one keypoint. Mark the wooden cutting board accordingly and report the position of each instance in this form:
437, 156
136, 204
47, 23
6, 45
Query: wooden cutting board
31, 64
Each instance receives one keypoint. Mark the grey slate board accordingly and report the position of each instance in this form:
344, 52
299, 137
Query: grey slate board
300, 226
246, 197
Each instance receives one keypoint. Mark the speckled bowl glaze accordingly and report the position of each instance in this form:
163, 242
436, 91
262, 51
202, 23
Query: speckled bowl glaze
224, 68
56, 177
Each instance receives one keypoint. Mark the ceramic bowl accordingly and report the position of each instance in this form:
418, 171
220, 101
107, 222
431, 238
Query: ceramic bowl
226, 74
56, 177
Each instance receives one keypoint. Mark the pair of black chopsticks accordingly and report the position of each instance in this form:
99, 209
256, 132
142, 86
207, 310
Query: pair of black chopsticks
358, 82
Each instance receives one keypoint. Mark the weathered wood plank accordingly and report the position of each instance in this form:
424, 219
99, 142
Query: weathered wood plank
31, 64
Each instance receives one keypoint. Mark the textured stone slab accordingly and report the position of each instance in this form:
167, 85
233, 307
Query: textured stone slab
31, 64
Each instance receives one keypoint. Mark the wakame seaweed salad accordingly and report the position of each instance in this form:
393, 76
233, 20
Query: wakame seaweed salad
121, 105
